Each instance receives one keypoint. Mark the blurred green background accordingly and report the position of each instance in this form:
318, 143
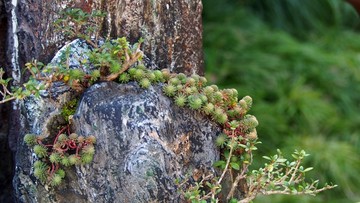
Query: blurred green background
300, 62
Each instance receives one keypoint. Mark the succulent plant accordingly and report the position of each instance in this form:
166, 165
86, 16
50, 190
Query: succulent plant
30, 139
180, 100
86, 158
145, 83
88, 149
55, 157
166, 74
139, 74
124, 78
194, 102
151, 76
40, 151
158, 76
56, 180
208, 108
169, 90
174, 81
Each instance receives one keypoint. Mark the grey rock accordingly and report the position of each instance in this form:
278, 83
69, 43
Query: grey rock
75, 51
144, 143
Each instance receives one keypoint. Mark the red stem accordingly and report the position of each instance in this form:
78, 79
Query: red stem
78, 148
52, 169
71, 144
61, 131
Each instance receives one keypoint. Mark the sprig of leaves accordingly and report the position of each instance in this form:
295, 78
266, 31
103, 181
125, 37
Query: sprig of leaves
76, 23
31, 87
281, 176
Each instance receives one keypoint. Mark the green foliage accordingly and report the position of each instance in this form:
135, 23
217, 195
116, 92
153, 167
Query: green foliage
31, 87
306, 91
69, 109
194, 102
124, 78
302, 17
112, 59
280, 176
76, 23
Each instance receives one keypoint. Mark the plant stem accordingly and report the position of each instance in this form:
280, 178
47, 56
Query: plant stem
228, 160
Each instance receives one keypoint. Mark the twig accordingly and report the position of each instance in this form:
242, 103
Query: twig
236, 182
228, 161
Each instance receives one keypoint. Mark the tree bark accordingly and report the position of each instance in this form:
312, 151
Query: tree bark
172, 31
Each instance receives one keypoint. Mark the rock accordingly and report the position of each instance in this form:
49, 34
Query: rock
144, 143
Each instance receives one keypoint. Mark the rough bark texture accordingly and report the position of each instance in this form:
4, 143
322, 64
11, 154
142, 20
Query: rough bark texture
3, 33
6, 166
172, 31
144, 143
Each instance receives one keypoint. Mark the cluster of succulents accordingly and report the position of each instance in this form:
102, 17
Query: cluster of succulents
67, 149
223, 106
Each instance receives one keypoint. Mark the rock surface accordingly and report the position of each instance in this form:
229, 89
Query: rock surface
144, 143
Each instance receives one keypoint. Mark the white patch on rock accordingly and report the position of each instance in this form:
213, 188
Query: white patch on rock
16, 73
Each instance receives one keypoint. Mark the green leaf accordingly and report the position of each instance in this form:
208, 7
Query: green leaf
266, 157
221, 164
308, 169
280, 160
235, 166
295, 156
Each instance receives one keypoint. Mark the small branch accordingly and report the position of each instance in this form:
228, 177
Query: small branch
228, 161
294, 171
8, 99
91, 43
247, 199
128, 63
236, 182
6, 91
288, 192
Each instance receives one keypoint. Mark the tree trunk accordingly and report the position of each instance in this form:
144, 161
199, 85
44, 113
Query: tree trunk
172, 31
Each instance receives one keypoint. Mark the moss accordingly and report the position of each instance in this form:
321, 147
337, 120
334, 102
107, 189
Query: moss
69, 109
